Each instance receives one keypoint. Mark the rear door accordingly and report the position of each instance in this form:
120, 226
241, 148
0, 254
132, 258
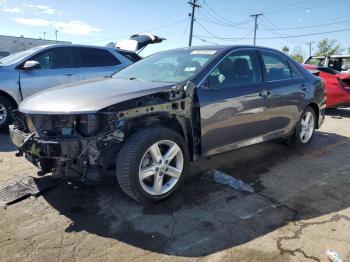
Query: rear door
97, 62
286, 91
233, 105
57, 67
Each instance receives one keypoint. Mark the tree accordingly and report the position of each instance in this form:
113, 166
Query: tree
285, 49
298, 54
349, 50
328, 46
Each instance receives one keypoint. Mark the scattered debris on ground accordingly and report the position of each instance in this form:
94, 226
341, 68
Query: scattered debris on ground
216, 176
23, 187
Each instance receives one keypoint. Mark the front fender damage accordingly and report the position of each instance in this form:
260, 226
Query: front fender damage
89, 156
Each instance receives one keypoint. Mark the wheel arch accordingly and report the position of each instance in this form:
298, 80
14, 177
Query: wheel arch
10, 98
316, 109
180, 124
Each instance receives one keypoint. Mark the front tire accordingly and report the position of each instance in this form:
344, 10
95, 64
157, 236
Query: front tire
304, 129
152, 164
5, 112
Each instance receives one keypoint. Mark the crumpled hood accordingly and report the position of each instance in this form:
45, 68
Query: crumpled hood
88, 96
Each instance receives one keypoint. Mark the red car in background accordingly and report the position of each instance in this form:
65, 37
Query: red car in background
337, 85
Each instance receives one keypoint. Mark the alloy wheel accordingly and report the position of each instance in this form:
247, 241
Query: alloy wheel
161, 167
3, 114
307, 127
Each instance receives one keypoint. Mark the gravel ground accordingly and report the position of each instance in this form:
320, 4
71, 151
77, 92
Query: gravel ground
299, 210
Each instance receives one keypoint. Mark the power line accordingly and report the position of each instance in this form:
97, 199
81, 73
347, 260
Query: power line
225, 20
213, 19
311, 26
145, 31
287, 36
205, 41
273, 29
271, 26
298, 9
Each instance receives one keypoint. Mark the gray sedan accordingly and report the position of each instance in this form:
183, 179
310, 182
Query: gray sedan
151, 118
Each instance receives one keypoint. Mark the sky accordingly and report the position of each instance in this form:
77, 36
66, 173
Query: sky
216, 21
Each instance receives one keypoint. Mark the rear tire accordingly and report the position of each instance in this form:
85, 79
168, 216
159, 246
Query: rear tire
304, 129
152, 164
5, 112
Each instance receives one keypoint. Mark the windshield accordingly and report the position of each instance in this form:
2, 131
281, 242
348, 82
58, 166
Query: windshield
173, 66
16, 57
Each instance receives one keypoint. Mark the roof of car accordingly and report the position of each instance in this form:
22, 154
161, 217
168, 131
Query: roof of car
224, 47
78, 45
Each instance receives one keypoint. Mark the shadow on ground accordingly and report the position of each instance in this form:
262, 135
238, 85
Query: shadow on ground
338, 113
5, 142
203, 218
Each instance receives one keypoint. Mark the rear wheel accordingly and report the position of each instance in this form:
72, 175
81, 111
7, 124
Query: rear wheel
5, 112
304, 129
152, 164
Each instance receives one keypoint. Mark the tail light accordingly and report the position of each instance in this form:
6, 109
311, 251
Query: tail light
345, 83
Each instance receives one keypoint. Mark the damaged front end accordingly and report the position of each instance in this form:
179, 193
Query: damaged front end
87, 144
64, 144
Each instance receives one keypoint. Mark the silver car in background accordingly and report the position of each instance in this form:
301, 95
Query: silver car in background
28, 72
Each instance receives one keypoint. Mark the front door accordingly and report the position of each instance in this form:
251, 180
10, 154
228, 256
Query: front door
233, 104
57, 67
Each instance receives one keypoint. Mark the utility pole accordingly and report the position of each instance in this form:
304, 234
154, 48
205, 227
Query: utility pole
194, 5
255, 16
310, 47
56, 31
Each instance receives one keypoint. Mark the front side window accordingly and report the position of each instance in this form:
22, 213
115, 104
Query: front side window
55, 58
173, 66
95, 57
276, 67
238, 69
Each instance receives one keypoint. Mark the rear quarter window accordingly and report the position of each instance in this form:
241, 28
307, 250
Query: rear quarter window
94, 57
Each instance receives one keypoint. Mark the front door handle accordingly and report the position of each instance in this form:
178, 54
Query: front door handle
264, 93
303, 87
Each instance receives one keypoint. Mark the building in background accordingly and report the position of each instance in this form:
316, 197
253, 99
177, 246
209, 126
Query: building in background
13, 44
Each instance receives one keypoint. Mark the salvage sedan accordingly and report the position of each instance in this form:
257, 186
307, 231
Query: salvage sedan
337, 86
153, 117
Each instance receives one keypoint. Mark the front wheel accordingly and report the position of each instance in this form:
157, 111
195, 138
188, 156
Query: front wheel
304, 129
152, 164
5, 112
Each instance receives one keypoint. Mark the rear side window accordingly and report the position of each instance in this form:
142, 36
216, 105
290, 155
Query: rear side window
94, 57
276, 67
295, 71
55, 58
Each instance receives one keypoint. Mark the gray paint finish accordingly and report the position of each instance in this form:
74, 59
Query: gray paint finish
88, 96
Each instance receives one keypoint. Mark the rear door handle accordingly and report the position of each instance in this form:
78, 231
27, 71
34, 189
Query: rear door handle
69, 74
264, 93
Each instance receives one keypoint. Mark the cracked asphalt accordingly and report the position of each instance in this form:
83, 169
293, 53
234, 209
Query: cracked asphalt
300, 209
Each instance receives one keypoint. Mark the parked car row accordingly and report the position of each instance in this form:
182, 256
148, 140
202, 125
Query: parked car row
154, 116
26, 73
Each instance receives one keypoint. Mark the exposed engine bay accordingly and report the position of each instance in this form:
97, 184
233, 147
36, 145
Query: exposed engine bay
87, 144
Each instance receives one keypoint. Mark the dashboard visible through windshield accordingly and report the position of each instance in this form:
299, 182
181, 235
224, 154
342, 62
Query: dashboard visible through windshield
170, 66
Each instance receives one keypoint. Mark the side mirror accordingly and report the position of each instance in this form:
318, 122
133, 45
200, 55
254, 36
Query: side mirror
29, 65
